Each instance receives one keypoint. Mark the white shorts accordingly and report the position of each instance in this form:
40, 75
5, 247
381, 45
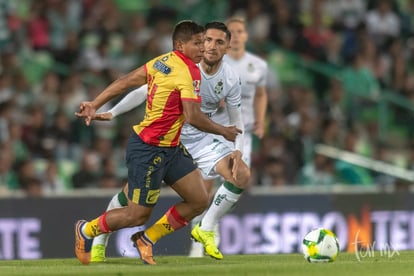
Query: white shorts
207, 152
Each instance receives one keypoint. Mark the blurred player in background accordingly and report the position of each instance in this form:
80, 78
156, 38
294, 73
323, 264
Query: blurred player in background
253, 72
154, 151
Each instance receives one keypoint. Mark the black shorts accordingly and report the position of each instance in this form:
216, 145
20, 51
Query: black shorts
149, 165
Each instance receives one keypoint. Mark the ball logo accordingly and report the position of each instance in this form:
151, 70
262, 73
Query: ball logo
320, 245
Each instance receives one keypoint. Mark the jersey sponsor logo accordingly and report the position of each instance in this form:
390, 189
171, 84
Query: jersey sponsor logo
163, 68
250, 67
152, 196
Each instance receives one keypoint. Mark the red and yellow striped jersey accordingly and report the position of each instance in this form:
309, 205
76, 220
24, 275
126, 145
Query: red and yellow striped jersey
172, 78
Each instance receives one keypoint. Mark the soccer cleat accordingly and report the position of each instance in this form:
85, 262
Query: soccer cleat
207, 239
82, 244
144, 247
98, 253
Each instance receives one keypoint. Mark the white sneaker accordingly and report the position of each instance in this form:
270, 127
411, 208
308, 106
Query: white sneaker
196, 250
217, 232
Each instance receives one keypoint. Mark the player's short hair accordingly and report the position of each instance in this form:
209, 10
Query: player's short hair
218, 26
185, 29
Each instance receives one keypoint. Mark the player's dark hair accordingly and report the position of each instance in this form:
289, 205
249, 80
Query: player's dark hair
218, 26
184, 30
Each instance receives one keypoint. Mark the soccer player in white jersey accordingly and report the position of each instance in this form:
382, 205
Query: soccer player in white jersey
215, 157
253, 72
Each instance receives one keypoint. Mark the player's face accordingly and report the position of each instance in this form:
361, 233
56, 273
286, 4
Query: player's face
216, 45
238, 34
194, 48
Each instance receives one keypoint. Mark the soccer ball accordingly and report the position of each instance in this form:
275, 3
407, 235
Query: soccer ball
320, 246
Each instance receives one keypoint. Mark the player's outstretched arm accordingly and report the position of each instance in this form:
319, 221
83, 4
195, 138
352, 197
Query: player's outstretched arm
198, 119
135, 78
133, 99
260, 108
235, 118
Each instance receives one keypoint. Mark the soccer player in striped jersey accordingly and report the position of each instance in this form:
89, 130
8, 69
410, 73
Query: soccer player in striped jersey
154, 151
214, 156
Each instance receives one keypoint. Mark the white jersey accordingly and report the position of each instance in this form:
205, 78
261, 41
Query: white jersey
223, 85
253, 72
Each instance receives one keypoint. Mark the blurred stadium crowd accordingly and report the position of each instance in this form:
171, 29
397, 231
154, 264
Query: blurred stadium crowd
341, 74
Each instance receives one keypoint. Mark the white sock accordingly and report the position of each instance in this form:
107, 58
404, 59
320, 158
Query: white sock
224, 199
103, 238
197, 219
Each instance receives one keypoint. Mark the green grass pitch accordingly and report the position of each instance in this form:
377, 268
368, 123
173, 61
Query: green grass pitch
375, 263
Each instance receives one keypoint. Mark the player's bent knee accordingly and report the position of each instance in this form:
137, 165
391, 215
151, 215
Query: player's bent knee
199, 211
135, 215
203, 204
200, 205
243, 177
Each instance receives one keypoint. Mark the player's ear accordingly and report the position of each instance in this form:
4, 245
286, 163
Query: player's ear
178, 45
